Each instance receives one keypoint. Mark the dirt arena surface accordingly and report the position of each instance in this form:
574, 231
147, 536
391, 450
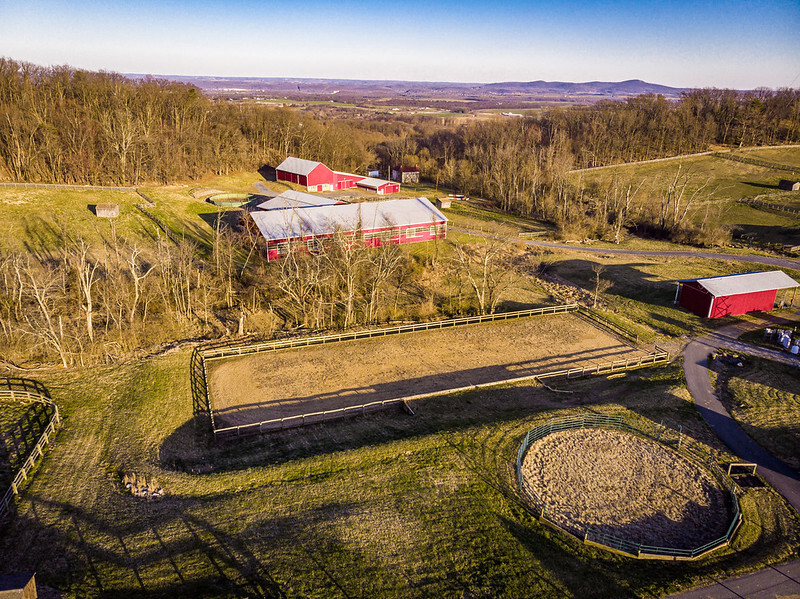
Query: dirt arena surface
628, 486
264, 386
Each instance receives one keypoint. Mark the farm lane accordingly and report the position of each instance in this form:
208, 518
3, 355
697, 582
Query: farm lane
774, 581
695, 366
768, 260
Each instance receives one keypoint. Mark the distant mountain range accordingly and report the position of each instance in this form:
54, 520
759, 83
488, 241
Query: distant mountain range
526, 91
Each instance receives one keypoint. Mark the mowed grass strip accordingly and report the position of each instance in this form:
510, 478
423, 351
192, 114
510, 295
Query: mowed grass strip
273, 385
764, 398
384, 506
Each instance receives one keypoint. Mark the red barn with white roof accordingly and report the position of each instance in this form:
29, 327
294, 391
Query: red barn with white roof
379, 186
373, 223
715, 297
314, 175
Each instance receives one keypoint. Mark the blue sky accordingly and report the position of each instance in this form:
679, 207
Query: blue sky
741, 44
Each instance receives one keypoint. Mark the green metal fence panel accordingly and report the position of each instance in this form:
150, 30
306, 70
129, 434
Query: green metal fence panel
593, 420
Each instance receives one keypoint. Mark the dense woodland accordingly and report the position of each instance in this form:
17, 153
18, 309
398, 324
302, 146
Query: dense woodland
83, 305
63, 125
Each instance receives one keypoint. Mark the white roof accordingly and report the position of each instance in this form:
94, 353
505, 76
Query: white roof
298, 166
372, 183
343, 174
294, 199
325, 220
748, 282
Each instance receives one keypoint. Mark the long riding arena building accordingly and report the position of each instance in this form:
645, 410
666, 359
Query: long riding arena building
374, 223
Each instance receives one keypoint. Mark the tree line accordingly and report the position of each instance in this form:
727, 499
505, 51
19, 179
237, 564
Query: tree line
82, 304
64, 125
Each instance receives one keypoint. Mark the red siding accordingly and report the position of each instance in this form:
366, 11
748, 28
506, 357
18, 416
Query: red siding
321, 175
694, 298
346, 181
291, 177
743, 303
375, 237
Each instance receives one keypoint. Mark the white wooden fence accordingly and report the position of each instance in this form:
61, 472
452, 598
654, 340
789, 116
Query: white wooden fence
38, 450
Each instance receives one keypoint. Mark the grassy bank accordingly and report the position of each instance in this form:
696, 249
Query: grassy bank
384, 506
764, 398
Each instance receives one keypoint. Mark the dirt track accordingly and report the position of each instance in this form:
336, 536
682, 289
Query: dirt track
274, 385
625, 485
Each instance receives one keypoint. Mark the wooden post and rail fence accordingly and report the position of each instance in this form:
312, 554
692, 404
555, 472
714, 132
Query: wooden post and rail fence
657, 356
42, 443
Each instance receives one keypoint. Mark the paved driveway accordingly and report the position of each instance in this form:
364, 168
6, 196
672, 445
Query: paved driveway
775, 582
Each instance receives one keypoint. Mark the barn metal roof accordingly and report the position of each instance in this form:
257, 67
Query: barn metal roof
298, 166
295, 199
748, 282
277, 225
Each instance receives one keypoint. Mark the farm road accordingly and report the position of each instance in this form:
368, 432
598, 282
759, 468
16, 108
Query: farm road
775, 581
768, 260
695, 367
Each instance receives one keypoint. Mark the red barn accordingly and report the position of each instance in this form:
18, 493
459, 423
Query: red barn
346, 180
314, 175
715, 297
372, 223
379, 186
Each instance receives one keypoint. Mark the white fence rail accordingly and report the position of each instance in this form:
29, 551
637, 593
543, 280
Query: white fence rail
38, 450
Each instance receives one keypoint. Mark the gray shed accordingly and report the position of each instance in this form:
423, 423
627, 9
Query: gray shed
443, 202
107, 210
789, 185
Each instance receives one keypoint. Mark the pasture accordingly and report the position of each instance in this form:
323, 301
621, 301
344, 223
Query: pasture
764, 398
389, 505
723, 183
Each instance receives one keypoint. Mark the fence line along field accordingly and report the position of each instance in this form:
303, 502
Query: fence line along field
266, 386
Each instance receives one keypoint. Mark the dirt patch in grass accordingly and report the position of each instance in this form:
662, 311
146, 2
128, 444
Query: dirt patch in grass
274, 385
622, 484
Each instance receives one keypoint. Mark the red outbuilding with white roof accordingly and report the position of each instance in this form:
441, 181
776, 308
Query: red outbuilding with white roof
314, 175
373, 223
715, 297
379, 186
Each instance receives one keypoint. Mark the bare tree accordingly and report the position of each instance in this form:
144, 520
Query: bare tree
43, 321
485, 265
138, 274
600, 284
87, 278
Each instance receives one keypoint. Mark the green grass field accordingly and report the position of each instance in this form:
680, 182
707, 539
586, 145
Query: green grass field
642, 289
764, 398
725, 183
40, 221
787, 156
384, 506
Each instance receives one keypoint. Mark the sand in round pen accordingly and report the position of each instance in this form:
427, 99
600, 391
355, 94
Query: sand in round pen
628, 486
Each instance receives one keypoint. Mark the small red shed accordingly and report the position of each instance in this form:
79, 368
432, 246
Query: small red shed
715, 297
379, 186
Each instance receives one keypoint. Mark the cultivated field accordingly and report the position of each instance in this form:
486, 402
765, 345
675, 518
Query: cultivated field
279, 384
627, 486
